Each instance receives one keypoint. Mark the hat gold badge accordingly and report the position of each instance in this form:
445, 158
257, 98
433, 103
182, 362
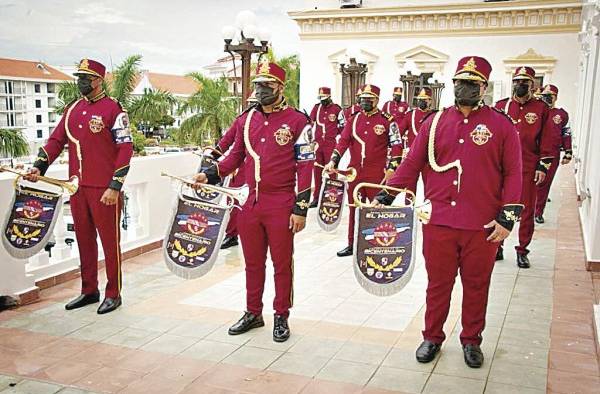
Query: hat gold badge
84, 64
470, 65
264, 66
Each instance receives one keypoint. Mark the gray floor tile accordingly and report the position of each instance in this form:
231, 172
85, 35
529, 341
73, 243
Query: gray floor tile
347, 372
210, 350
398, 380
453, 384
253, 357
169, 344
304, 364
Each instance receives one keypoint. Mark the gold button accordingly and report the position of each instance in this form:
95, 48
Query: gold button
519, 121
466, 120
262, 140
455, 183
80, 126
521, 107
368, 123
84, 112
453, 203
461, 141
266, 123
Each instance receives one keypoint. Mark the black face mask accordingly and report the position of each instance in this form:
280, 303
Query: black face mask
266, 95
326, 101
547, 98
84, 84
422, 104
467, 94
366, 105
397, 98
521, 90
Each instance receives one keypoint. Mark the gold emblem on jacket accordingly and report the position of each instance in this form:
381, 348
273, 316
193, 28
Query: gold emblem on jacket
283, 135
531, 117
481, 134
557, 119
332, 117
96, 124
379, 129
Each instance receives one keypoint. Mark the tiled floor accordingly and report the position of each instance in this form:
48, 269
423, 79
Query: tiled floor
171, 335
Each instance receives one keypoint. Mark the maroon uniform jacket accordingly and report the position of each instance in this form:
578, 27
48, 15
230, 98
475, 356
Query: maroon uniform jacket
397, 110
99, 139
561, 136
411, 124
535, 130
368, 136
327, 123
276, 154
348, 112
481, 171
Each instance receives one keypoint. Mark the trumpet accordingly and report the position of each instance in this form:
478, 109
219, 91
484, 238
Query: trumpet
347, 175
70, 186
240, 194
423, 211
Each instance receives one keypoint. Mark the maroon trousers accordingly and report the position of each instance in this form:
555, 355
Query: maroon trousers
91, 216
232, 227
322, 157
265, 225
527, 225
448, 251
370, 193
544, 189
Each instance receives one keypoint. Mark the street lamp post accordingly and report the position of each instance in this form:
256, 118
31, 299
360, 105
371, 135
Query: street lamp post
246, 33
355, 74
436, 88
409, 77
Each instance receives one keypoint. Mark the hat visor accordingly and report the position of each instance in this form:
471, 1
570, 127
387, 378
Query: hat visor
86, 72
266, 78
468, 77
522, 77
368, 94
423, 96
324, 96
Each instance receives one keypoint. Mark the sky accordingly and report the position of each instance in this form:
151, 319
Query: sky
173, 36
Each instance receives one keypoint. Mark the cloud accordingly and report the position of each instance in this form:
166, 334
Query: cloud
100, 13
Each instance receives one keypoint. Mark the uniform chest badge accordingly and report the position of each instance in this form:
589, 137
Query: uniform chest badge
481, 134
96, 124
401, 109
332, 117
557, 119
379, 129
283, 135
531, 117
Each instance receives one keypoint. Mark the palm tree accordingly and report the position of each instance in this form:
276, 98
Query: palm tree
152, 107
13, 143
67, 93
123, 80
214, 107
291, 65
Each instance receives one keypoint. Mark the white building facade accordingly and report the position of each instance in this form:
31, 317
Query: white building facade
28, 97
435, 35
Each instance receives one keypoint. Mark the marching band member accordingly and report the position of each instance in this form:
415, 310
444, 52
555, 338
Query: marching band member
96, 129
561, 140
469, 155
411, 122
368, 135
535, 127
272, 143
327, 126
396, 107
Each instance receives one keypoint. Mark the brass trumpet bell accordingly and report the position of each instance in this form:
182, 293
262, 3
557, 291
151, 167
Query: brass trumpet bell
239, 194
347, 175
69, 186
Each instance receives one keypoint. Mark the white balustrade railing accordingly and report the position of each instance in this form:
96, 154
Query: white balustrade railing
151, 198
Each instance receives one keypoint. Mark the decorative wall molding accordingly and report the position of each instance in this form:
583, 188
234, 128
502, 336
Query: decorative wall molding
543, 65
427, 59
515, 17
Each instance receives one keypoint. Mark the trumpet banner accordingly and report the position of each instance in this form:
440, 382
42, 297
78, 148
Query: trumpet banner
385, 248
331, 202
30, 221
194, 237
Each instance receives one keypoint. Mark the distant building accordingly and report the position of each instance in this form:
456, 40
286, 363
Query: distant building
225, 67
28, 98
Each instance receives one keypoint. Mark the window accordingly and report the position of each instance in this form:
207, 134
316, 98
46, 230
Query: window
40, 134
51, 88
38, 118
37, 88
38, 103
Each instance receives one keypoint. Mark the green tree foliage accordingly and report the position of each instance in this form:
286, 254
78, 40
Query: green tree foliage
291, 65
123, 80
152, 108
13, 143
67, 93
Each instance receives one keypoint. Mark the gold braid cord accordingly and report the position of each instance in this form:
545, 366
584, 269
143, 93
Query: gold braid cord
431, 152
357, 138
73, 139
254, 155
412, 122
317, 120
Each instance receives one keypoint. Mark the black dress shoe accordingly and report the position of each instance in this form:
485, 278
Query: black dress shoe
473, 355
314, 204
229, 242
539, 219
347, 251
246, 323
500, 254
281, 329
109, 305
83, 300
426, 351
523, 261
